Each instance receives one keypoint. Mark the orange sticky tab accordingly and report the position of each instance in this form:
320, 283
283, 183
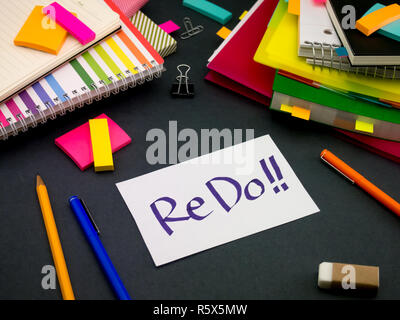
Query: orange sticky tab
378, 19
294, 7
223, 32
301, 113
41, 33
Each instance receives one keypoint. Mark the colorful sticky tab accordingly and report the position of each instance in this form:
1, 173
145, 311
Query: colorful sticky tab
301, 113
169, 26
364, 126
209, 9
243, 14
78, 146
391, 30
223, 32
101, 145
286, 108
69, 22
378, 19
294, 7
41, 33
342, 52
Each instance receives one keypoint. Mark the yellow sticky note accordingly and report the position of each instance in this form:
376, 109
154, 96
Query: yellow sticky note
364, 126
286, 108
243, 14
294, 7
301, 113
101, 145
41, 33
223, 32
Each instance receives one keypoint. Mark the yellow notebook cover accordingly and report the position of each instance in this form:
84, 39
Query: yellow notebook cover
278, 49
40, 34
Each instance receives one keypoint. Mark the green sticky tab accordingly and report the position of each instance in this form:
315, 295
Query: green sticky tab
209, 9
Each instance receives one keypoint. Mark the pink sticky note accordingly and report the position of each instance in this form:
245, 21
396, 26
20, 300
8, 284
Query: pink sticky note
78, 146
69, 22
320, 1
169, 26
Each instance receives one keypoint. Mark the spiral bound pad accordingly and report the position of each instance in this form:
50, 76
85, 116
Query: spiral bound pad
121, 62
319, 44
20, 67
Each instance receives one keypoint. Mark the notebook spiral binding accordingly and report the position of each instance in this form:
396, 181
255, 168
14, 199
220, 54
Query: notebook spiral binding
329, 59
122, 82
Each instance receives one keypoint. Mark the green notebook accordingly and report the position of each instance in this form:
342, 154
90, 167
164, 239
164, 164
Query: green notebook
332, 99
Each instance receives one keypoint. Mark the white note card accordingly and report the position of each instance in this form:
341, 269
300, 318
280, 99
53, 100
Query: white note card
214, 199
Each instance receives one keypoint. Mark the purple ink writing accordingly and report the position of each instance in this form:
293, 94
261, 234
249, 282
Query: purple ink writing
251, 194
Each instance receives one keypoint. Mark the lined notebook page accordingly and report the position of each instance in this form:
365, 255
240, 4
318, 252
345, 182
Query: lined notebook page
20, 66
315, 25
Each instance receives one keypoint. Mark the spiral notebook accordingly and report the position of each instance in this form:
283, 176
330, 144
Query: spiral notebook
318, 40
122, 61
19, 66
363, 50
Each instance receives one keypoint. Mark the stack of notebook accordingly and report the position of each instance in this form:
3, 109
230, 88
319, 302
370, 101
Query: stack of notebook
44, 86
363, 104
327, 38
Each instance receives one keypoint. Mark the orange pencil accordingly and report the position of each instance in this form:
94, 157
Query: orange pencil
54, 240
359, 180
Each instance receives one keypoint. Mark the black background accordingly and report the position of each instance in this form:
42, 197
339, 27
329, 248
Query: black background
280, 263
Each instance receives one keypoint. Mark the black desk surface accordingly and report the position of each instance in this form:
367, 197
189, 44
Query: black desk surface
281, 263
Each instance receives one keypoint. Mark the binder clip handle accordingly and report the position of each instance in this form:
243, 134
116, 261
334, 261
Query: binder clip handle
182, 88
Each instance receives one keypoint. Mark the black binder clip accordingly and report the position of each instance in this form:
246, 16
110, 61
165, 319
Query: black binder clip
190, 30
182, 88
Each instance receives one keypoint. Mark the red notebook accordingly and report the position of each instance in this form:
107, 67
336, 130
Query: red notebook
227, 83
385, 148
234, 58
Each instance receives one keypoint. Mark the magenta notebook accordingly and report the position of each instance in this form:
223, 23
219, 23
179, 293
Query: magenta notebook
385, 148
234, 59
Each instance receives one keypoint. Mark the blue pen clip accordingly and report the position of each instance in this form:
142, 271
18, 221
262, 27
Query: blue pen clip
87, 211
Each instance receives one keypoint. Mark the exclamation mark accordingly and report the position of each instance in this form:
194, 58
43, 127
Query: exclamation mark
277, 172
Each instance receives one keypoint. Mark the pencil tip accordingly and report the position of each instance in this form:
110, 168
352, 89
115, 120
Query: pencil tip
39, 181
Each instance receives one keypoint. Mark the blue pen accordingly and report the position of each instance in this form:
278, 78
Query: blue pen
91, 232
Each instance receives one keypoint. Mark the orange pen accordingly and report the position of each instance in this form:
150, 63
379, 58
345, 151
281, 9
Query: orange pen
54, 240
359, 180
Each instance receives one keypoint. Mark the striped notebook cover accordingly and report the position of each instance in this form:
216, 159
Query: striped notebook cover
158, 38
120, 62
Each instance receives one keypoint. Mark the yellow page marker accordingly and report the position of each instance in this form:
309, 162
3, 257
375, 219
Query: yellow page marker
301, 113
223, 32
286, 108
243, 14
41, 33
364, 126
294, 7
101, 145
